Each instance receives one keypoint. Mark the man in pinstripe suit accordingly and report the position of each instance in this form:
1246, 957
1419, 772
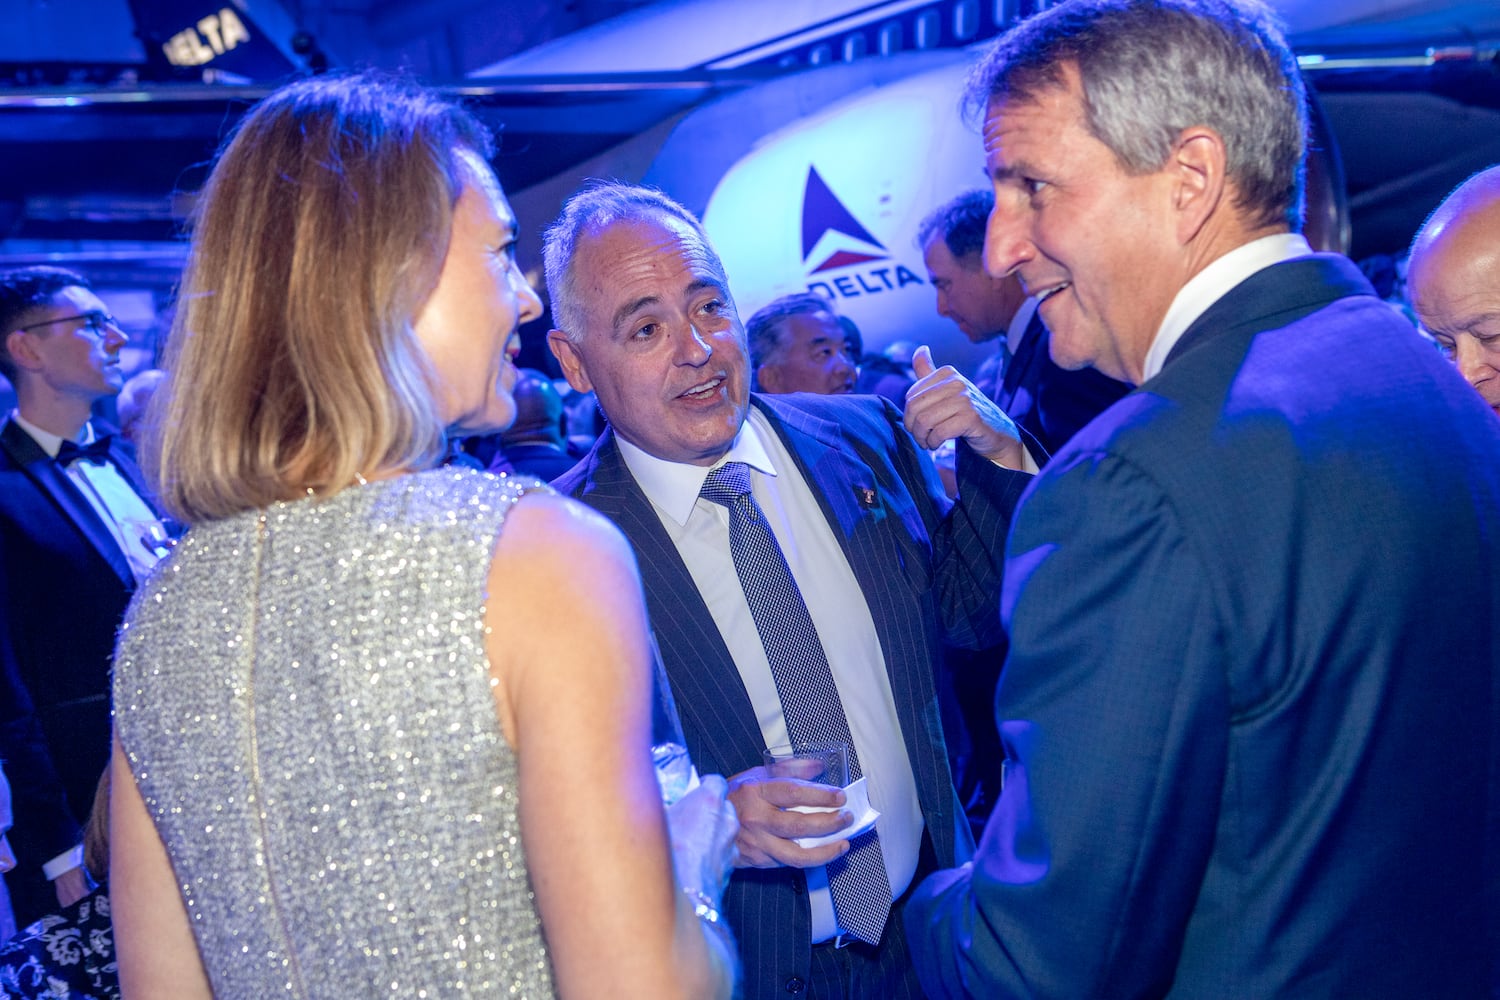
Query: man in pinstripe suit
884, 566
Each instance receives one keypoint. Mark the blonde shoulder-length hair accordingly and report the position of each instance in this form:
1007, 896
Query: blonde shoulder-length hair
319, 235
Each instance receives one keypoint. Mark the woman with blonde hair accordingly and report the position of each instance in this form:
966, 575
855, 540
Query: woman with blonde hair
382, 727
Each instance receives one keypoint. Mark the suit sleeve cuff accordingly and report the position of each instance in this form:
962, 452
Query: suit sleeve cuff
64, 862
1029, 464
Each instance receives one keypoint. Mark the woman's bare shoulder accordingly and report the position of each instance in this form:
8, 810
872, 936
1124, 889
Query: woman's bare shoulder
556, 557
547, 521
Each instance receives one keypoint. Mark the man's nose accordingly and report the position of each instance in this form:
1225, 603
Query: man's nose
942, 305
694, 348
7, 857
1007, 240
529, 304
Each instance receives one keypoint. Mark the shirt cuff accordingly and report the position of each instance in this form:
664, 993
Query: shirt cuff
63, 863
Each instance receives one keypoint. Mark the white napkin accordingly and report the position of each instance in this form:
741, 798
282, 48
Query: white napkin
857, 801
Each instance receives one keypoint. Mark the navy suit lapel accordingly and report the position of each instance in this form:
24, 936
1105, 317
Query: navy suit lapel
1024, 357
1295, 289
717, 718
851, 500
877, 543
845, 489
54, 483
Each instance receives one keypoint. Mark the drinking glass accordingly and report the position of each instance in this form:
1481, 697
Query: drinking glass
823, 761
669, 756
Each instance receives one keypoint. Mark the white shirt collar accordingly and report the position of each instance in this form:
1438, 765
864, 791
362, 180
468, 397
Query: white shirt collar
1018, 324
674, 486
49, 442
1212, 283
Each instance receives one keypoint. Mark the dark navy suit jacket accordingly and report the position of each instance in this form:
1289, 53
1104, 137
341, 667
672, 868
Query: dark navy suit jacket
64, 585
1252, 703
927, 573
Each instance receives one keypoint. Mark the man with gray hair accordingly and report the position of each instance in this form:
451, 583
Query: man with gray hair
1251, 710
1454, 279
801, 566
798, 344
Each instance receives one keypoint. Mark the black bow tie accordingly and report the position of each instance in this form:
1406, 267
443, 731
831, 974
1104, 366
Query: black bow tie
71, 451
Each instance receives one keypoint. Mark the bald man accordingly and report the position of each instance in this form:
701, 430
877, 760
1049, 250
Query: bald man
1454, 279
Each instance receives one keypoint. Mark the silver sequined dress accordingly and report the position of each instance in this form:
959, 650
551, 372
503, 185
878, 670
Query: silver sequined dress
307, 711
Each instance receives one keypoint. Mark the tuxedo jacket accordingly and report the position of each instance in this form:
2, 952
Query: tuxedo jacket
64, 585
1047, 401
1252, 702
928, 572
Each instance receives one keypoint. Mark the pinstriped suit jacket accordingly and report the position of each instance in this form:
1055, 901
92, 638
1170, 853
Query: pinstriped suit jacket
927, 571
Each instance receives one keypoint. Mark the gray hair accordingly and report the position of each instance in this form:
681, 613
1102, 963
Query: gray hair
1151, 68
599, 205
961, 223
763, 329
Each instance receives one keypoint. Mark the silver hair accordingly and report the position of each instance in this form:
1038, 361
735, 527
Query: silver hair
599, 205
1151, 68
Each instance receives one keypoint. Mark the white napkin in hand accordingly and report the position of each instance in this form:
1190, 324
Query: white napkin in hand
857, 801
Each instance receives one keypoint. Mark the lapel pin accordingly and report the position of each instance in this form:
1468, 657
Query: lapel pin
866, 496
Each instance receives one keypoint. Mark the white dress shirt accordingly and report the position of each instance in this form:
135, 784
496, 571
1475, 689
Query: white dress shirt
700, 531
1210, 285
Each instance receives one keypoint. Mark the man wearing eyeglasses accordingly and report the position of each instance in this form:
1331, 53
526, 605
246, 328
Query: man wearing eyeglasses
77, 533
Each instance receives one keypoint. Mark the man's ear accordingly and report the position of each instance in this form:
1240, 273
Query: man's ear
566, 353
768, 379
1198, 168
18, 345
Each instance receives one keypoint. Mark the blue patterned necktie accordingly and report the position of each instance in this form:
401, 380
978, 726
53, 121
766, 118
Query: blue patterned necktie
809, 700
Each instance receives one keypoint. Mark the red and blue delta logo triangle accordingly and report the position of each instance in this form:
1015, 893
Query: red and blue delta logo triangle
822, 212
864, 265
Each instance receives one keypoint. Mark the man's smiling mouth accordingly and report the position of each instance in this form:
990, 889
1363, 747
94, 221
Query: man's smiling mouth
704, 388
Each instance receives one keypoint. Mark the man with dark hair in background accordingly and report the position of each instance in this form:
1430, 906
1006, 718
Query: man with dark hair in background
1049, 402
77, 533
797, 344
534, 444
1250, 708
